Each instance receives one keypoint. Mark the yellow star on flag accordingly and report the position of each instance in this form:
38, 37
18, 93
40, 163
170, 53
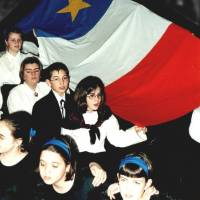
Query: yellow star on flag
74, 7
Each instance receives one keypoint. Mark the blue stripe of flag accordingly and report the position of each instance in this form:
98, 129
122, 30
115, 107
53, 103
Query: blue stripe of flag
47, 22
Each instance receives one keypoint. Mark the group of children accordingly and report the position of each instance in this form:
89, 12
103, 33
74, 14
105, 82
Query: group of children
52, 144
54, 173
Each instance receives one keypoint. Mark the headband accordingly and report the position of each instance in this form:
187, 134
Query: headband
60, 144
135, 160
32, 133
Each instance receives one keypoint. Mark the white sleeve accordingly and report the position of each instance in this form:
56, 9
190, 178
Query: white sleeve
1, 103
194, 129
80, 136
1, 99
14, 102
121, 138
65, 131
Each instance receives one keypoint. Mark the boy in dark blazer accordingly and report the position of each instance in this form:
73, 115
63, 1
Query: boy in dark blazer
49, 111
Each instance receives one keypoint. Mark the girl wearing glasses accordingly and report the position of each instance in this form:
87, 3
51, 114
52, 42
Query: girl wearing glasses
91, 121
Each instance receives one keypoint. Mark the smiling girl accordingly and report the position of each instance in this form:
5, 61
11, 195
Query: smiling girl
10, 61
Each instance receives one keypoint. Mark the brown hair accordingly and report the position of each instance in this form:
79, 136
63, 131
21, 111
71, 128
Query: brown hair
134, 170
69, 160
28, 60
85, 87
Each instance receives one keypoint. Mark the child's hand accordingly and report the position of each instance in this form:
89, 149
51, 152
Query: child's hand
112, 190
150, 191
99, 174
140, 129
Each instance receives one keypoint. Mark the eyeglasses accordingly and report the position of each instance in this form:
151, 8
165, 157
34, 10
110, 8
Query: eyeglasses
56, 79
93, 96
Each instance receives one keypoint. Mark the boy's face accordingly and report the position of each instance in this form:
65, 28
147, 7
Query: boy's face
59, 82
131, 188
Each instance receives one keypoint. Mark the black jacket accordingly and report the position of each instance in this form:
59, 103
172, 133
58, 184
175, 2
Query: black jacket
47, 118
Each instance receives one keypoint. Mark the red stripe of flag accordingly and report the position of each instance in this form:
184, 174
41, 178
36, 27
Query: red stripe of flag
164, 85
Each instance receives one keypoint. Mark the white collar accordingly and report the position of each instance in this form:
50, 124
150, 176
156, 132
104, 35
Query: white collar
16, 57
90, 117
58, 97
30, 89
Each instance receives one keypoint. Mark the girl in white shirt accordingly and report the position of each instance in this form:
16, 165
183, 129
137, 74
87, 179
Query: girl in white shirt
11, 60
91, 121
24, 96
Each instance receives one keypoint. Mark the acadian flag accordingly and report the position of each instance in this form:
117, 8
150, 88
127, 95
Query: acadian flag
150, 66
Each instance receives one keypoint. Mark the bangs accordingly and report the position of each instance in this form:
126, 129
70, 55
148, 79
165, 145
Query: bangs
133, 171
92, 88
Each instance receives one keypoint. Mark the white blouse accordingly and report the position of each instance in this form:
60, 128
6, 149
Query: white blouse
22, 97
109, 129
1, 103
9, 69
194, 129
10, 66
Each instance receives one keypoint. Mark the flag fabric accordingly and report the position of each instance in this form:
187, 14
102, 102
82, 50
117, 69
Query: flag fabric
150, 66
68, 19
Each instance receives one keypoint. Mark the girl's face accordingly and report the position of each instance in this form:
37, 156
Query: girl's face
7, 141
93, 99
31, 74
131, 188
14, 43
52, 168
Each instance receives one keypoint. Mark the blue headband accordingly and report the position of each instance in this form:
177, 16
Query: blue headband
135, 160
32, 133
60, 144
